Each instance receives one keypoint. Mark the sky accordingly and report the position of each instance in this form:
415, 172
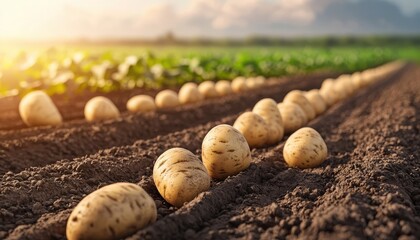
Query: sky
131, 19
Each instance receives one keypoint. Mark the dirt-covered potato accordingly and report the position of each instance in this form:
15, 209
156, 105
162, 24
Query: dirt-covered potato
100, 108
305, 149
316, 100
297, 97
166, 99
328, 92
239, 85
223, 87
180, 176
189, 93
111, 212
268, 110
253, 128
225, 152
141, 103
37, 109
207, 89
293, 116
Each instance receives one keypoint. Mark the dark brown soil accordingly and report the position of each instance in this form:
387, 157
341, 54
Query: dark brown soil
369, 187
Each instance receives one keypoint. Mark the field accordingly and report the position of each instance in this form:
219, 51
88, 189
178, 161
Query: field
369, 186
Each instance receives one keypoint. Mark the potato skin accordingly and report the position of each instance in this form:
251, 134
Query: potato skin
268, 110
328, 92
223, 87
189, 93
100, 108
316, 100
253, 128
166, 99
239, 85
37, 109
225, 152
180, 176
141, 103
297, 97
111, 212
305, 149
207, 89
293, 116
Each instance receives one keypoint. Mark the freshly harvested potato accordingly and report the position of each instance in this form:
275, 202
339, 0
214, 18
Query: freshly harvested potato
100, 108
343, 87
297, 97
239, 85
293, 116
251, 83
316, 100
268, 110
180, 176
207, 89
141, 103
189, 93
223, 87
37, 109
260, 81
253, 127
225, 152
328, 92
111, 212
166, 99
356, 79
305, 149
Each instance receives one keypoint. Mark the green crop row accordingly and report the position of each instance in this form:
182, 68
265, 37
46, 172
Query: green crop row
58, 70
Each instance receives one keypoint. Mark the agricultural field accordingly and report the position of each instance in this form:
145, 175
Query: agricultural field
106, 69
368, 185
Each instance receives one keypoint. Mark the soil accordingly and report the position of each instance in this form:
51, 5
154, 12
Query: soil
368, 188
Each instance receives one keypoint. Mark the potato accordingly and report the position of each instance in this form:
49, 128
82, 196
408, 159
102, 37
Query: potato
343, 87
100, 108
305, 149
223, 87
207, 89
225, 152
111, 212
293, 116
239, 85
356, 79
267, 109
251, 83
315, 99
253, 127
328, 92
37, 109
166, 99
141, 103
260, 81
189, 93
180, 176
297, 97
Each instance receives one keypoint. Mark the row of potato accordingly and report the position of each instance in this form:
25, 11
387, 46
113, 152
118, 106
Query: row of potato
37, 108
119, 210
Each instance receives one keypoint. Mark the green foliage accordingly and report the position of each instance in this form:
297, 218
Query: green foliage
70, 69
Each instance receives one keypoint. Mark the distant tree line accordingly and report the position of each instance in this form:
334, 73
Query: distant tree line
327, 41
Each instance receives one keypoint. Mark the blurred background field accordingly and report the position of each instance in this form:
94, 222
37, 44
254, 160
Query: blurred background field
112, 66
73, 46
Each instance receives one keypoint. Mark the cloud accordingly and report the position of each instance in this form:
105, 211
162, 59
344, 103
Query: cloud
217, 18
